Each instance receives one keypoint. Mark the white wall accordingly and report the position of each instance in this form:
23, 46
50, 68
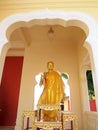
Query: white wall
64, 56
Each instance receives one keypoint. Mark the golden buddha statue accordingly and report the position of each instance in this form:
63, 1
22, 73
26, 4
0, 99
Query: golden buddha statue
53, 91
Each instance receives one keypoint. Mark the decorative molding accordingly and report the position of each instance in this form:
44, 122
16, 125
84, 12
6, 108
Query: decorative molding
60, 16
9, 5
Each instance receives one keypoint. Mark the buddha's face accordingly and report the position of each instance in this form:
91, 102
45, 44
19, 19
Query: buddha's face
50, 65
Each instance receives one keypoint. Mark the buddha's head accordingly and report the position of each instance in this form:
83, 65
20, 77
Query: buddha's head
50, 65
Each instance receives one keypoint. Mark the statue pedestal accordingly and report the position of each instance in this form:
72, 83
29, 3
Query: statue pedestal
47, 125
42, 108
36, 121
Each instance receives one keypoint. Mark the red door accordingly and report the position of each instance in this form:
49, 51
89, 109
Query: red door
9, 90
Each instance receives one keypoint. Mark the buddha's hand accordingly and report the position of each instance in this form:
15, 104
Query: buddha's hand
41, 80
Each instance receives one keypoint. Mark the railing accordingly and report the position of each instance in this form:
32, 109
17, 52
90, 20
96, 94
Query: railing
28, 117
30, 122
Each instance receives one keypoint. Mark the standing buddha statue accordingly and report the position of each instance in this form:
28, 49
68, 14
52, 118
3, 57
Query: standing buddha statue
53, 91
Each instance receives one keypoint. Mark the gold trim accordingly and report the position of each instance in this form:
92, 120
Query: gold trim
70, 117
27, 113
50, 125
47, 125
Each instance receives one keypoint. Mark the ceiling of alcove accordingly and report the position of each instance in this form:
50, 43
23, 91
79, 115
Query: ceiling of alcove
71, 34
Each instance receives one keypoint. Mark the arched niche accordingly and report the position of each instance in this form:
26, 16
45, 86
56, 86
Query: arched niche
47, 17
42, 22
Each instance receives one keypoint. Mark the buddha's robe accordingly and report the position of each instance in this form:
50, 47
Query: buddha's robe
53, 92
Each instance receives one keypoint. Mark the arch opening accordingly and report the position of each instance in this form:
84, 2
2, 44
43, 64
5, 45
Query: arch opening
87, 31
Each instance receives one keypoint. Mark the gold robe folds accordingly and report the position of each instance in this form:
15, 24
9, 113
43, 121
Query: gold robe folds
53, 92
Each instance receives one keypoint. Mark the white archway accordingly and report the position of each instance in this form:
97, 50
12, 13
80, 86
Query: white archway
84, 21
60, 16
